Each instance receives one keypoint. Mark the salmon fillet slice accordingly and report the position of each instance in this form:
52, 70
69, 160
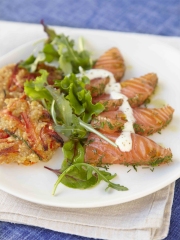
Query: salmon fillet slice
97, 86
109, 122
144, 151
113, 62
109, 104
138, 90
148, 121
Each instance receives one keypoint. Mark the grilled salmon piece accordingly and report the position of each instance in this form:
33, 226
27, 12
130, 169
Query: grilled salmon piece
148, 121
109, 122
144, 151
109, 104
97, 86
139, 89
113, 62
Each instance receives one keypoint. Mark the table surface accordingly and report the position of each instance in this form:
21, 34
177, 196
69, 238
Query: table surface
153, 17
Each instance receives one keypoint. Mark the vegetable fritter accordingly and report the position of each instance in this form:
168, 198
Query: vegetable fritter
26, 133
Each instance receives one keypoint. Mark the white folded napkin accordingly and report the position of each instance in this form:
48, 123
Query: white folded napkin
146, 218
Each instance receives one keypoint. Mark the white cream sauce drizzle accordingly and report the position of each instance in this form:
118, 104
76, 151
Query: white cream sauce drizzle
113, 88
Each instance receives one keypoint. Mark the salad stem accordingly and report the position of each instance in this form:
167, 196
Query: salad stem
91, 129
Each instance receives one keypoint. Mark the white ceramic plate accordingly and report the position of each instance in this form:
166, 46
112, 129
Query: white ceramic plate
142, 55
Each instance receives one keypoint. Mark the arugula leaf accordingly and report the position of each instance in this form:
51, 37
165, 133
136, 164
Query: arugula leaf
73, 131
74, 173
31, 63
28, 62
65, 66
50, 53
62, 107
73, 152
35, 88
50, 32
40, 58
90, 108
79, 98
62, 112
79, 83
79, 178
60, 49
71, 56
69, 154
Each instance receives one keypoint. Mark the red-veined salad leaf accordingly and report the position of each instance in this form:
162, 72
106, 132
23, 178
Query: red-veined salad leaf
74, 173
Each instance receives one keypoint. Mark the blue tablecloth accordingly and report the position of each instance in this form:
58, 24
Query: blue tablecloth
154, 17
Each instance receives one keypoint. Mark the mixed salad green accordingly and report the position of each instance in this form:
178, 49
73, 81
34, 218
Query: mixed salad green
70, 105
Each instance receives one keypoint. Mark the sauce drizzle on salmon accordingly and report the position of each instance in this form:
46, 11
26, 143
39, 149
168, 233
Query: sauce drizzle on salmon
147, 121
113, 88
